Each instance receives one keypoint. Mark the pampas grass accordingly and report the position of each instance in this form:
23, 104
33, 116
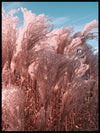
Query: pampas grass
49, 77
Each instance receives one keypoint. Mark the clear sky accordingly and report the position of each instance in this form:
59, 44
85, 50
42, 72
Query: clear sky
77, 14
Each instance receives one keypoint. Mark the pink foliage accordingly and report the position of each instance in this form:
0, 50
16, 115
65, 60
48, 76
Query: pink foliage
49, 77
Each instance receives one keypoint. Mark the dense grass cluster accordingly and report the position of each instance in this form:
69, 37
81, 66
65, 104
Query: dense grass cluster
49, 77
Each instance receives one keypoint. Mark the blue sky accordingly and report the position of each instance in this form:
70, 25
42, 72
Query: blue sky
77, 14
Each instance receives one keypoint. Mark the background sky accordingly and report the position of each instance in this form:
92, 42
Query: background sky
77, 14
